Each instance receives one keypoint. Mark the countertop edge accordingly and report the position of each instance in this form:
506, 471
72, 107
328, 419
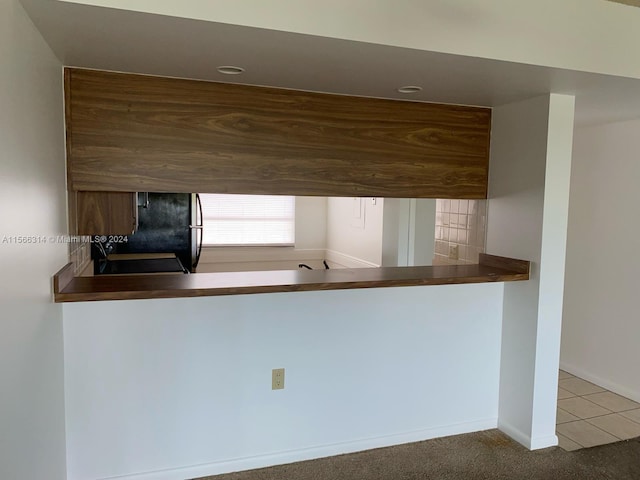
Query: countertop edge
80, 289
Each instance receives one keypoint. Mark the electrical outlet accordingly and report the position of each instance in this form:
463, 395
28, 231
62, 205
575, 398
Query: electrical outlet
453, 252
277, 379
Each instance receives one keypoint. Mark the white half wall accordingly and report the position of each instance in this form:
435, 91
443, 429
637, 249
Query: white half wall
527, 218
600, 330
32, 209
180, 388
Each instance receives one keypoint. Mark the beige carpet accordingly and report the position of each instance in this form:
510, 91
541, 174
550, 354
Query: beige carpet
475, 456
633, 3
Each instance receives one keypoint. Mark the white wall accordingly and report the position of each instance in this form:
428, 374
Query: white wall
32, 202
311, 223
182, 387
573, 34
422, 236
527, 218
354, 231
408, 236
600, 329
395, 232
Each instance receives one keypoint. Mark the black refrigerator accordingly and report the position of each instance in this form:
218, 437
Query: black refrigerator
168, 223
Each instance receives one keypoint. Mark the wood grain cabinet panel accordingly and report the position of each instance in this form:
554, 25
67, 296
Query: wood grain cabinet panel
138, 133
106, 213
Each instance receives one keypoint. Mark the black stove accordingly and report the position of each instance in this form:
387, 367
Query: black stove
145, 265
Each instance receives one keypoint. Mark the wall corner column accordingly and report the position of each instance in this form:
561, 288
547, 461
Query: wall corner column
527, 218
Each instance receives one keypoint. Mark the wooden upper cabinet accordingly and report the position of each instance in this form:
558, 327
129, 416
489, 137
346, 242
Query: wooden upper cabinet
106, 213
138, 133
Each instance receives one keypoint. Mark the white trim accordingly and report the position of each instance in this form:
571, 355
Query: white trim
519, 436
348, 261
522, 438
290, 456
543, 442
630, 393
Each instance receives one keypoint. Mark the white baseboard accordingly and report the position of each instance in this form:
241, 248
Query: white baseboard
348, 261
630, 393
281, 458
532, 443
543, 442
519, 436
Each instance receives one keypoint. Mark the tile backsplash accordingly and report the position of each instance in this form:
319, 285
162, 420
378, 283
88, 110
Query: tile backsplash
460, 231
80, 254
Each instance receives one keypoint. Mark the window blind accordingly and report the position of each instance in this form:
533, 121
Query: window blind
247, 219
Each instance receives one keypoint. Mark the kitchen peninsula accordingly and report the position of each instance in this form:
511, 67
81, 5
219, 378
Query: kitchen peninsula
128, 133
490, 269
133, 133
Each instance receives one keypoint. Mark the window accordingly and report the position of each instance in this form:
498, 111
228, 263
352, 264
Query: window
248, 219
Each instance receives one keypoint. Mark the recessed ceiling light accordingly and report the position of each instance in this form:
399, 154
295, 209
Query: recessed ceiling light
230, 70
410, 89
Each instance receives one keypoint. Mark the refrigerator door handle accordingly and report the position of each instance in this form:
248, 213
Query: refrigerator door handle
199, 234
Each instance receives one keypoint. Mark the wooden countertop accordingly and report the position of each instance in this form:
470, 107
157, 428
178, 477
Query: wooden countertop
491, 268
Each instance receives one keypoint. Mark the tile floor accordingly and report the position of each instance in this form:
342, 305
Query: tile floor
589, 415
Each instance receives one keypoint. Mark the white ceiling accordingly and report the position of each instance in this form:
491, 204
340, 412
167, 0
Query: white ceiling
103, 38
